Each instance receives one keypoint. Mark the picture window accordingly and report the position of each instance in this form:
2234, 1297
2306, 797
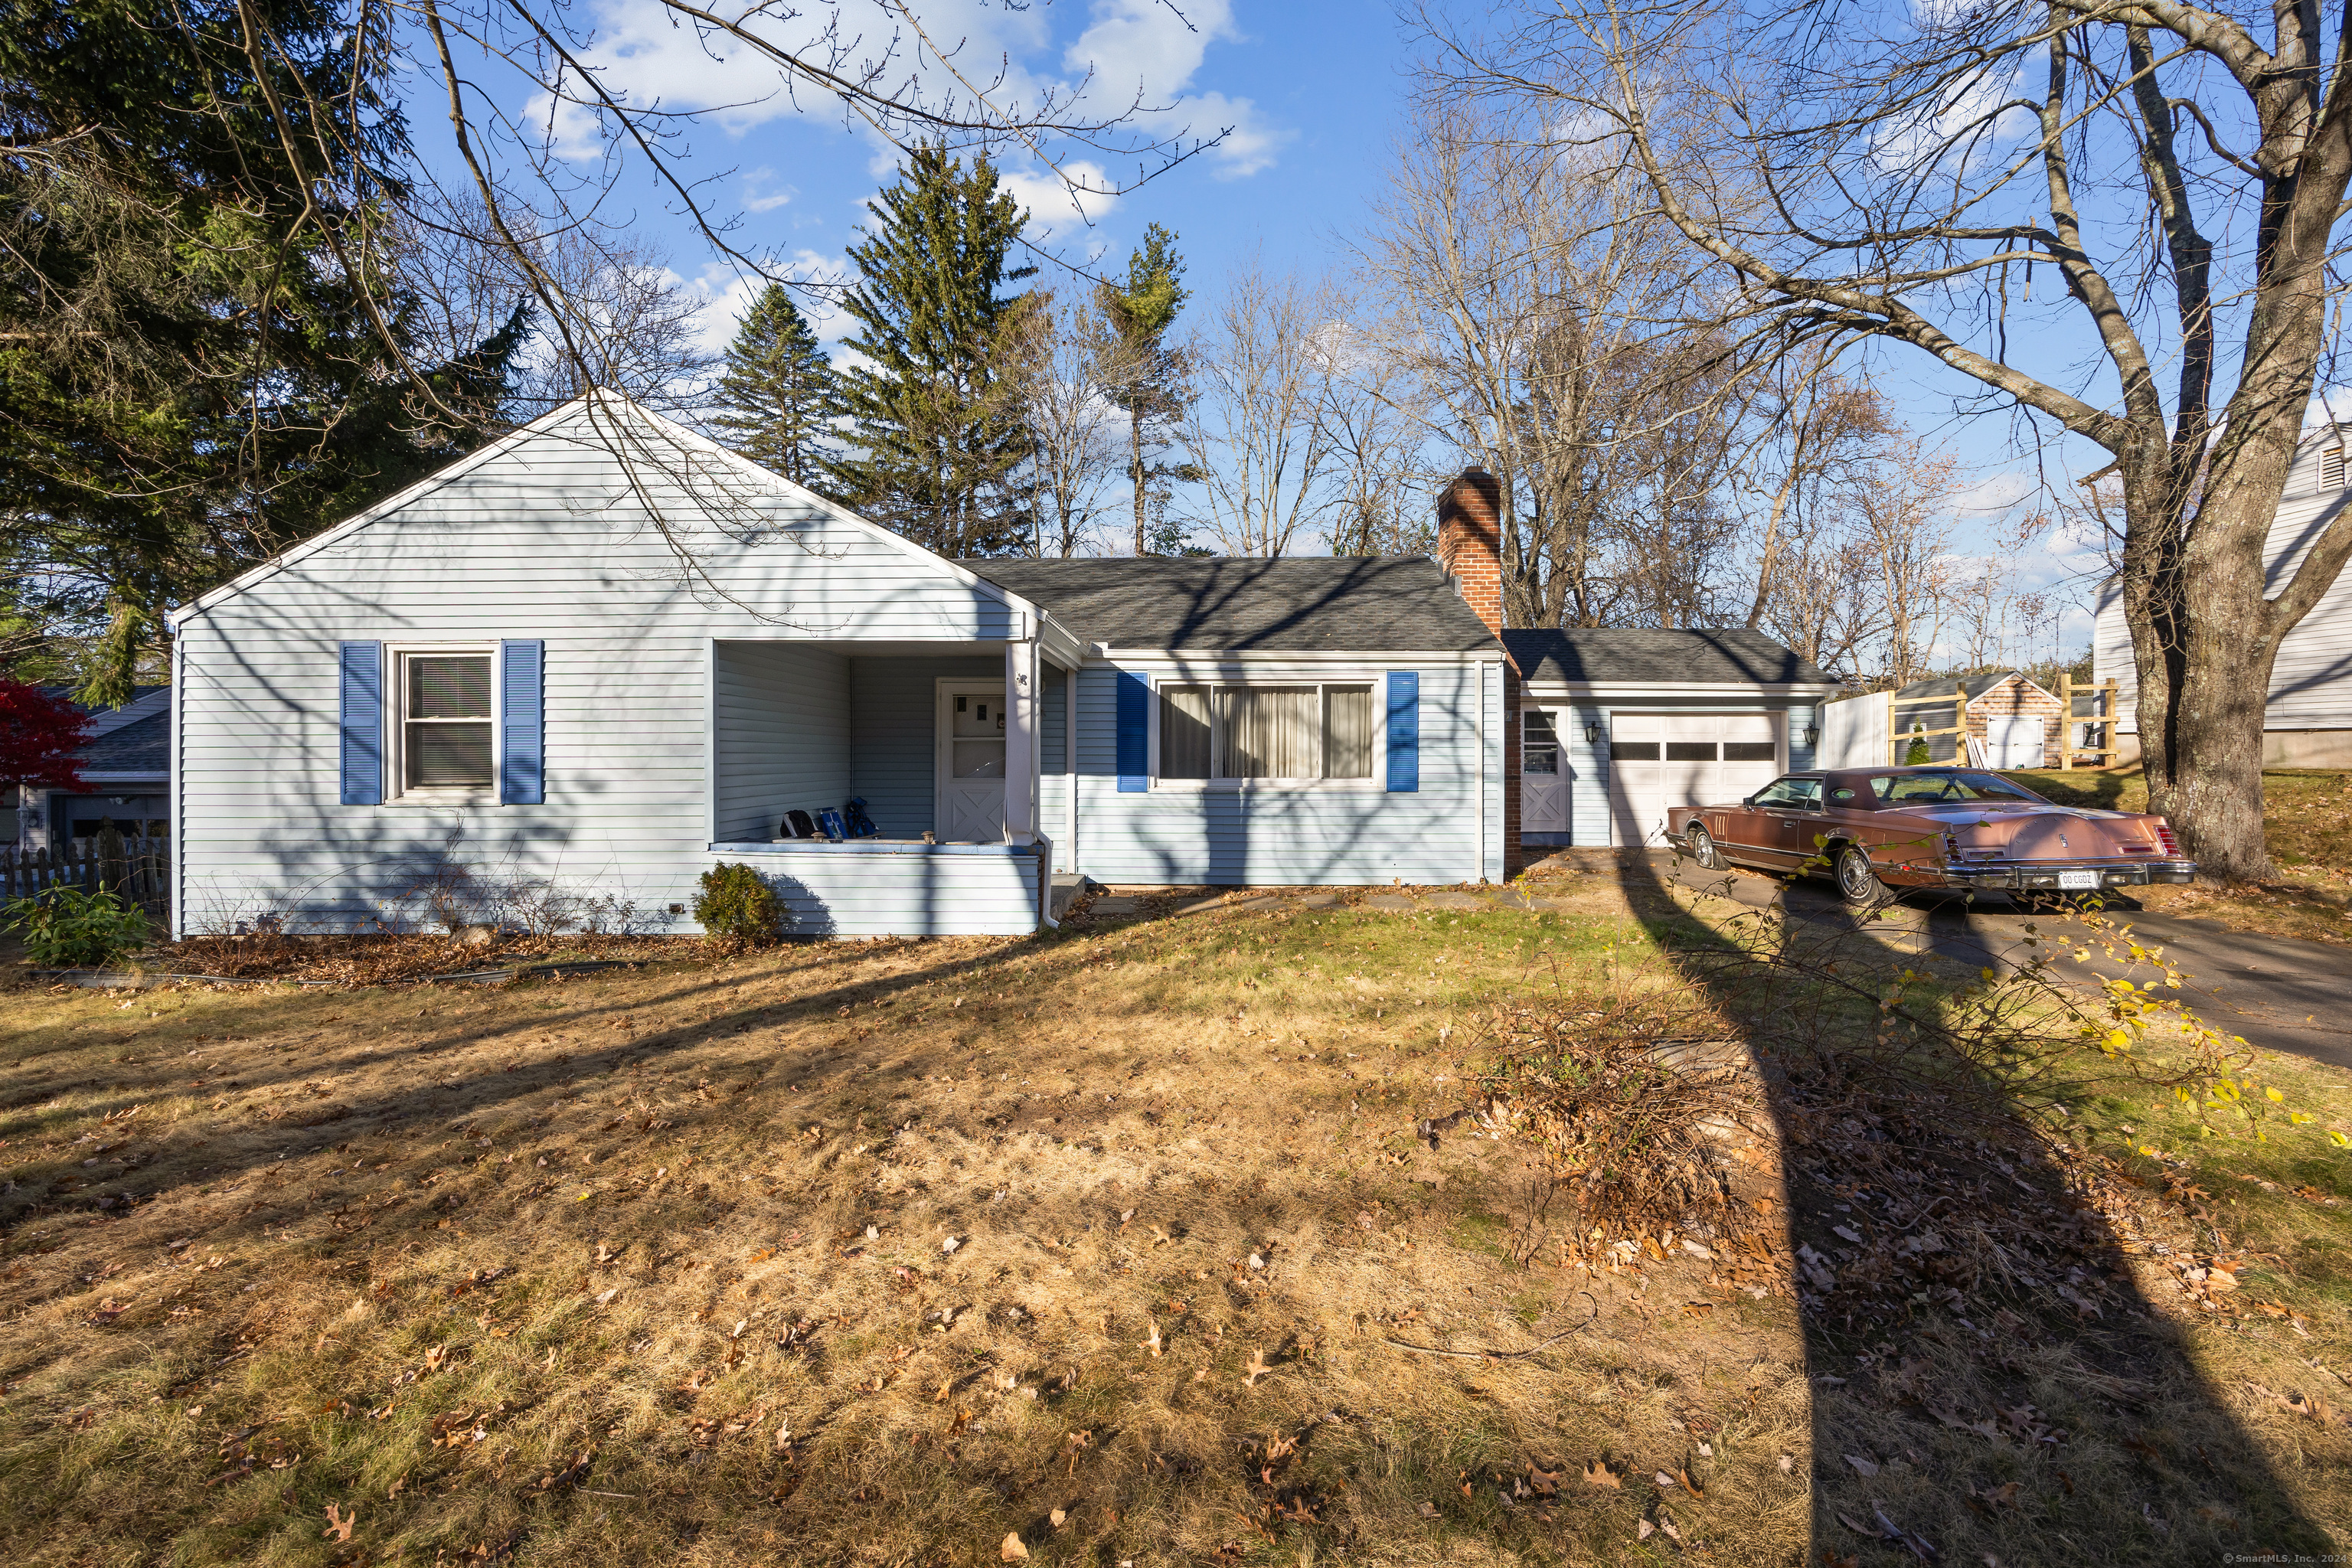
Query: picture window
1221, 733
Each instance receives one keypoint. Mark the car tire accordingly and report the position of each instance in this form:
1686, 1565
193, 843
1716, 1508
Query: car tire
1700, 845
1857, 883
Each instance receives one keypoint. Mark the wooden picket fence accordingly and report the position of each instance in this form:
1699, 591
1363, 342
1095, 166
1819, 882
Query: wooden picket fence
138, 870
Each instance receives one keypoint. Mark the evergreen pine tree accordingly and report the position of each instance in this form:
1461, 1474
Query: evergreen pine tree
936, 428
1145, 377
779, 391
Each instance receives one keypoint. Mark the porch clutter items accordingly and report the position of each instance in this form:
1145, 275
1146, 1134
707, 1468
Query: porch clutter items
828, 826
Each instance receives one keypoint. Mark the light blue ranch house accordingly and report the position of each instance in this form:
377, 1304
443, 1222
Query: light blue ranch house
603, 653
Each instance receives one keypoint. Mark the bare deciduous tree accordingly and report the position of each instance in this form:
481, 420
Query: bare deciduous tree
1566, 343
2180, 178
1259, 434
1054, 363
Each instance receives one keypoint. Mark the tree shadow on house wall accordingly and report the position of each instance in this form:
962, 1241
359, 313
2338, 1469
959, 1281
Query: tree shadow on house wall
1990, 1380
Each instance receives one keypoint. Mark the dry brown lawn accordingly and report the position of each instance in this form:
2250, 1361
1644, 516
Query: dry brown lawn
1110, 1248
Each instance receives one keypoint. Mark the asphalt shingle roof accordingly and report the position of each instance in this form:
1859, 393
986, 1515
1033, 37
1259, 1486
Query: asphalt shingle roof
1635, 655
142, 746
1946, 685
1318, 603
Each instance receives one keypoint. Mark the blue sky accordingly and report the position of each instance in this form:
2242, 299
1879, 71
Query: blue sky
1314, 91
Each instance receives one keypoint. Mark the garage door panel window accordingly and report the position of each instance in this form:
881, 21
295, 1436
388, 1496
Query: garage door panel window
1301, 733
1660, 762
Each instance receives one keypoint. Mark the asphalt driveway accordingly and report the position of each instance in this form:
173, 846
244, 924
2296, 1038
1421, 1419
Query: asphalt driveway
2279, 994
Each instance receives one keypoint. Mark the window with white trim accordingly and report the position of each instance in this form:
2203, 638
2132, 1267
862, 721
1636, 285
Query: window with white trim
1291, 732
444, 722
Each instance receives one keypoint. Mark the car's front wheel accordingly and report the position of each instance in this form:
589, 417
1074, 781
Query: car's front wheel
1857, 882
1700, 843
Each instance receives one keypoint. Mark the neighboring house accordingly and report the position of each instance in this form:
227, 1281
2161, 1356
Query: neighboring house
517, 667
126, 771
2011, 722
1618, 725
2307, 722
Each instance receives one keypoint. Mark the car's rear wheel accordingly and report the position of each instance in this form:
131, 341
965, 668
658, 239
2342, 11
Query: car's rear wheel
1700, 843
1857, 882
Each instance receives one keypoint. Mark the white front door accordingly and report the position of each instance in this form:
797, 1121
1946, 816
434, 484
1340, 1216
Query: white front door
1543, 771
2013, 740
1657, 760
968, 807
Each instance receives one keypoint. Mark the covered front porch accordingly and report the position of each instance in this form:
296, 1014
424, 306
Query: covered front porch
955, 752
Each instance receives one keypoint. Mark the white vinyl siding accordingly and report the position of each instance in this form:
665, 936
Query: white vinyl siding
2311, 683
543, 540
1299, 833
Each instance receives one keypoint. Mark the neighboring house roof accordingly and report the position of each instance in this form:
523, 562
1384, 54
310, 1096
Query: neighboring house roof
144, 699
1978, 685
140, 749
1636, 656
1307, 604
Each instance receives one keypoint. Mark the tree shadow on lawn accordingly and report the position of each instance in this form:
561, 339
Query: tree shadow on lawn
1987, 1376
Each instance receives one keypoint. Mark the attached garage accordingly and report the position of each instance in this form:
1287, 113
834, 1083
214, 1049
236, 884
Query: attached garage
1617, 725
1662, 760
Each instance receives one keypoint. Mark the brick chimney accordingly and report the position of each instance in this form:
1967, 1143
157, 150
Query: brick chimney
1470, 543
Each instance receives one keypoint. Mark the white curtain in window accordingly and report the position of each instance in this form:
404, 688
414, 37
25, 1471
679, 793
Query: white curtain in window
1347, 731
1183, 732
1270, 731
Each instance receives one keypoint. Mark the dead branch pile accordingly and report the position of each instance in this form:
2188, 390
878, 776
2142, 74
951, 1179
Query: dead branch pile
391, 960
1626, 1098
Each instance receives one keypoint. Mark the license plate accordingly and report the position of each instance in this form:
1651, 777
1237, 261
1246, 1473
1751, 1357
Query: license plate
2078, 879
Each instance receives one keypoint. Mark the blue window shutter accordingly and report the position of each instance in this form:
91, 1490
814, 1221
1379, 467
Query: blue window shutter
522, 722
1404, 730
362, 723
1134, 733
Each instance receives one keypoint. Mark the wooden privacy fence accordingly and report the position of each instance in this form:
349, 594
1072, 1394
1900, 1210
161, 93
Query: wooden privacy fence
138, 870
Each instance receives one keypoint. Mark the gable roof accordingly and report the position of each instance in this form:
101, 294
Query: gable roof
603, 404
1633, 656
1386, 604
1978, 685
143, 701
140, 749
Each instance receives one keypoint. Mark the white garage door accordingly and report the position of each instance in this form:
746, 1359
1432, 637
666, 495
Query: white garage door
1662, 760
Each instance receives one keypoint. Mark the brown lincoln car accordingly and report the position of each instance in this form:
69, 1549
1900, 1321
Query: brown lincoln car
1876, 828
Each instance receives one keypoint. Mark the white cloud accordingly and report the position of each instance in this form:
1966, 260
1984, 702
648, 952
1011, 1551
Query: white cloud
1056, 210
646, 55
1140, 53
726, 293
1142, 47
757, 200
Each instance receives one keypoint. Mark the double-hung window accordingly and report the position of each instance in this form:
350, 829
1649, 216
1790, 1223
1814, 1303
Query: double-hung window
445, 721
1288, 733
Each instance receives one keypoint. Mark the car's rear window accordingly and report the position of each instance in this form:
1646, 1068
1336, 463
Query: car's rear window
1903, 789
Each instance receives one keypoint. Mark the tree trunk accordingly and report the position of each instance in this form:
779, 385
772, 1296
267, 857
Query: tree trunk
1135, 466
2203, 644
